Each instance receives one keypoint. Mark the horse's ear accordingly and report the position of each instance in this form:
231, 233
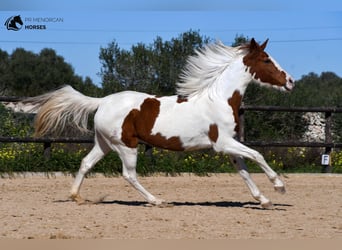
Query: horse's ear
263, 46
253, 44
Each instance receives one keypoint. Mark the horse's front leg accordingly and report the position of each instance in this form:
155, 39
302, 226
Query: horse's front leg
237, 150
233, 147
241, 168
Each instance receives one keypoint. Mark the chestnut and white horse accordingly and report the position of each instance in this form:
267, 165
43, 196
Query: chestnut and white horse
203, 114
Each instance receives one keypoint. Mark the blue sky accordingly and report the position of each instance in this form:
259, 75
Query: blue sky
305, 36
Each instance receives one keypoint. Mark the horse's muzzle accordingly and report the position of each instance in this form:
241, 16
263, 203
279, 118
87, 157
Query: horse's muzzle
289, 85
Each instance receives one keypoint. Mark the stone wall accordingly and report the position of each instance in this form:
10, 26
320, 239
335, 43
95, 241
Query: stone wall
316, 127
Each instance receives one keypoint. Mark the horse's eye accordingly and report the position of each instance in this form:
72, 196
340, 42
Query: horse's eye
267, 61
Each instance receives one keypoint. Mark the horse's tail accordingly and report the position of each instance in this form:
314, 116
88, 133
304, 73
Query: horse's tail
57, 108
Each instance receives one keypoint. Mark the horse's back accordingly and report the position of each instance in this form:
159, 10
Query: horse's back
121, 102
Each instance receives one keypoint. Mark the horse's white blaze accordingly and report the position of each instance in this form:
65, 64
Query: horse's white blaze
204, 114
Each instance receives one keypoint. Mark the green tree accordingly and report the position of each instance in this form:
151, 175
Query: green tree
4, 76
112, 59
171, 58
51, 72
87, 87
21, 72
318, 90
24, 73
240, 40
154, 68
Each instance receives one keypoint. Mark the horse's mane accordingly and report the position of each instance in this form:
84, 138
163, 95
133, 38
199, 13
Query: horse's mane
205, 67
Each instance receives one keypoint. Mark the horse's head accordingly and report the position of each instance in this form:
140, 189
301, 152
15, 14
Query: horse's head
17, 19
264, 69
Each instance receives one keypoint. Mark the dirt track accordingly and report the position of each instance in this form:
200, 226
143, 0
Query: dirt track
216, 207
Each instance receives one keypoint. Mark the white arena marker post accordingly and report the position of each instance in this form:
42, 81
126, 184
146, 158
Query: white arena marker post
326, 162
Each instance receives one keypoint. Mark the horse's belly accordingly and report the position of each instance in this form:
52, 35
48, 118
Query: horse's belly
191, 134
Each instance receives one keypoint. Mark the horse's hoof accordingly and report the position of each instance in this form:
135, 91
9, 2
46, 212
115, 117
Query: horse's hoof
280, 189
78, 199
267, 205
159, 203
165, 204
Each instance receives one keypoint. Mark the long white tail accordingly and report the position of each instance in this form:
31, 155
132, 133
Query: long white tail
57, 108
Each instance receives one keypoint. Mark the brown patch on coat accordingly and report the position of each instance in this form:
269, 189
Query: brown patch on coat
138, 125
128, 134
181, 99
213, 132
235, 103
261, 67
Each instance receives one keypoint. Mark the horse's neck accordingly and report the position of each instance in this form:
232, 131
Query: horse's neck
234, 79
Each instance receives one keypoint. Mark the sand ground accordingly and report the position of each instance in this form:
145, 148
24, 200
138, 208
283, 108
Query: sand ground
215, 207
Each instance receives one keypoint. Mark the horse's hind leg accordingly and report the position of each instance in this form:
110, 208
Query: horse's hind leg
241, 167
129, 159
96, 154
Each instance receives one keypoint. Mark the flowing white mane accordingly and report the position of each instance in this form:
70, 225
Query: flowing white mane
205, 67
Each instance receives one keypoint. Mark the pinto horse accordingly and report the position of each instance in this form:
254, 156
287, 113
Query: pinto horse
203, 114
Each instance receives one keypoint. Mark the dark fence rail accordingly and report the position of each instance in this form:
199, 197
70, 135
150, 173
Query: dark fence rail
46, 140
292, 109
10, 98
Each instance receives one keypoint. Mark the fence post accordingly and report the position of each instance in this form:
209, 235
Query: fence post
328, 139
47, 150
241, 133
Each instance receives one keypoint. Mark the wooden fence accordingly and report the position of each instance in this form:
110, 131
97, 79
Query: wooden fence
328, 144
328, 126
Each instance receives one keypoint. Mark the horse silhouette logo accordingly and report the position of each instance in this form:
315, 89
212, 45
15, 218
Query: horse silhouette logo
14, 23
